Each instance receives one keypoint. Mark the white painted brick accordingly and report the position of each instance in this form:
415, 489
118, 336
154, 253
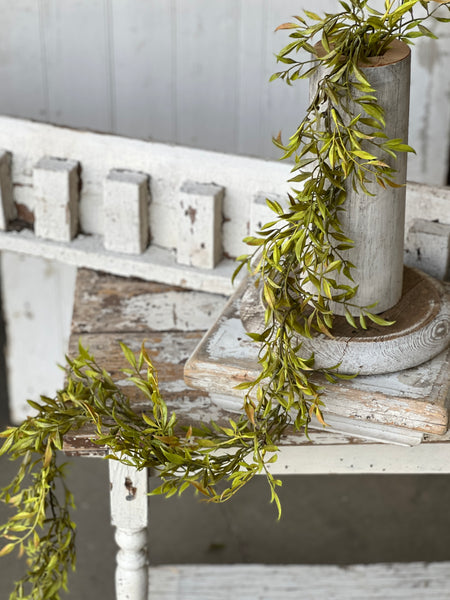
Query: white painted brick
126, 197
8, 209
260, 213
428, 248
199, 242
56, 190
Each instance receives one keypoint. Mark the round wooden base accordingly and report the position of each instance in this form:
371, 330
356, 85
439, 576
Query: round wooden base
421, 330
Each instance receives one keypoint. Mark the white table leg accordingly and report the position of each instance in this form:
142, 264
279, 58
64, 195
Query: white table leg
129, 514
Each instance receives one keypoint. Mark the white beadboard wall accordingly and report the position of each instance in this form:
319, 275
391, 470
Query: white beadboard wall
191, 73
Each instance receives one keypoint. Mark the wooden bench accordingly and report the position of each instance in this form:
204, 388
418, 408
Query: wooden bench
172, 321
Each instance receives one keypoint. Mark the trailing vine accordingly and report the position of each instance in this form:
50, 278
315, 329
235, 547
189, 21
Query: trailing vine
295, 261
340, 144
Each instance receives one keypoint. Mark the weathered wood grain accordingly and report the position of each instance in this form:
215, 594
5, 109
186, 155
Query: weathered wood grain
421, 330
98, 320
413, 581
118, 304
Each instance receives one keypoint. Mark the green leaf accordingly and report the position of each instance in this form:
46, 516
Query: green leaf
128, 354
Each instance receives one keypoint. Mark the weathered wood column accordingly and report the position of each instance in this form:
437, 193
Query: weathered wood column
376, 223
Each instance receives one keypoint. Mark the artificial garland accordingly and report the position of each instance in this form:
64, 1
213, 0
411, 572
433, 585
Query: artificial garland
295, 257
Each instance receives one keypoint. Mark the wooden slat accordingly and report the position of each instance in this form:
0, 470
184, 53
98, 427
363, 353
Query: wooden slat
413, 581
144, 69
206, 77
77, 41
22, 67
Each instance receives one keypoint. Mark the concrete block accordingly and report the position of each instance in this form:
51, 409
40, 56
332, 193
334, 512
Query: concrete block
8, 209
199, 242
56, 184
126, 196
428, 248
260, 213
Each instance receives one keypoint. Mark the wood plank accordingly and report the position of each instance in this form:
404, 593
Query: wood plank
77, 40
206, 76
22, 67
144, 69
430, 82
118, 304
413, 581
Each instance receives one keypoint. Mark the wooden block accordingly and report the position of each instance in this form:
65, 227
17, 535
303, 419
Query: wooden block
56, 184
126, 196
8, 209
199, 241
428, 248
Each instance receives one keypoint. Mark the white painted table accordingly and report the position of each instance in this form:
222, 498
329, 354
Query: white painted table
172, 321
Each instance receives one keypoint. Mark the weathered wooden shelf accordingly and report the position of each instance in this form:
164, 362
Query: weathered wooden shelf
155, 264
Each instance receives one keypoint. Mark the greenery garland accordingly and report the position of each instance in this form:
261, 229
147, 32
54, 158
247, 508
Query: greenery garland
299, 251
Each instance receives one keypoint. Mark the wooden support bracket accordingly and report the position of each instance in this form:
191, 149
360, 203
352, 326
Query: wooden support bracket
7, 207
200, 225
126, 197
56, 184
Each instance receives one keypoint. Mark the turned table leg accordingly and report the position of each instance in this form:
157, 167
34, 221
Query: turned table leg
129, 514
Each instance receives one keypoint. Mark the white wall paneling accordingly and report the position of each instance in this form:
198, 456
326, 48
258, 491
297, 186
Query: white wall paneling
189, 73
144, 65
24, 92
77, 38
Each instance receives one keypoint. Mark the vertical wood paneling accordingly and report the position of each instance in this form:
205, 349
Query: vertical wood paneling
22, 91
206, 54
192, 73
78, 46
252, 78
429, 126
144, 67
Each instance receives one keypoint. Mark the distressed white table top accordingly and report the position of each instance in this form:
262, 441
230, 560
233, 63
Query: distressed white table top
172, 322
